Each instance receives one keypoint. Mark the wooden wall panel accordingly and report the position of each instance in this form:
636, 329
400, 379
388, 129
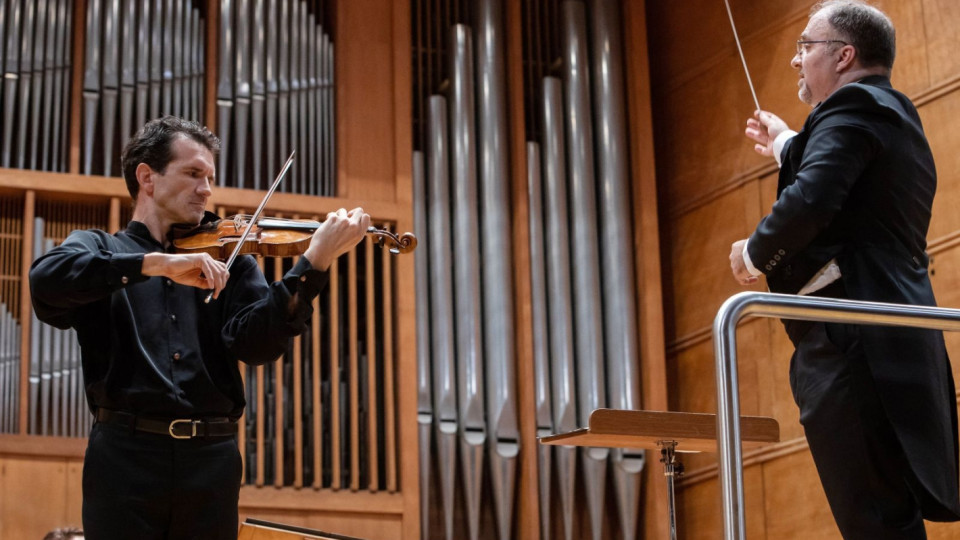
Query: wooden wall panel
940, 122
647, 248
795, 505
50, 486
911, 69
698, 259
773, 375
694, 45
945, 276
365, 100
942, 24
74, 492
716, 104
693, 370
700, 508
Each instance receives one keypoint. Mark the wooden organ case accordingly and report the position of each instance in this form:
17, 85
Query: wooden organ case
322, 436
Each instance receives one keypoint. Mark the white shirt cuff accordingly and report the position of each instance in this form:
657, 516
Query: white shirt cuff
781, 140
748, 263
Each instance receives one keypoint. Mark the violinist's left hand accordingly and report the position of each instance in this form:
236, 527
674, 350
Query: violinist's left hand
338, 234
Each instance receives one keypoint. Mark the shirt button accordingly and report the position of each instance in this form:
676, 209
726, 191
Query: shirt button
124, 280
173, 317
303, 278
168, 283
176, 356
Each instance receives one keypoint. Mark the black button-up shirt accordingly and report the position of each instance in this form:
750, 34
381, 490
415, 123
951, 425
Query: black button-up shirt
152, 347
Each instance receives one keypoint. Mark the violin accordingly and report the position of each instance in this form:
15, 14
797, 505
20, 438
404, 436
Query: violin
269, 237
272, 237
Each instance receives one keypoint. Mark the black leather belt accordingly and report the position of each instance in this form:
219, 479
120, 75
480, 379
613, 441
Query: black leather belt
178, 428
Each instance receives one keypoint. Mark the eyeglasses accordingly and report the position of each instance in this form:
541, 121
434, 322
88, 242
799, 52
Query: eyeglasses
802, 43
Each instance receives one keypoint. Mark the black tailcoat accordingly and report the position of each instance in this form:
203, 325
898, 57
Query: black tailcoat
857, 185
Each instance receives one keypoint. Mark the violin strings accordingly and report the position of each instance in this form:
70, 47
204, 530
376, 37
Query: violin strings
742, 59
256, 216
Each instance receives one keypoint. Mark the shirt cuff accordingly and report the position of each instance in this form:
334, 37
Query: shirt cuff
124, 269
780, 141
304, 279
748, 263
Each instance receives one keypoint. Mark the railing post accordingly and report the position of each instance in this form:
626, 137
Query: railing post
728, 415
794, 307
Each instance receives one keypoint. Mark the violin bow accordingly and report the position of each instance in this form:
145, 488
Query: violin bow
256, 215
742, 59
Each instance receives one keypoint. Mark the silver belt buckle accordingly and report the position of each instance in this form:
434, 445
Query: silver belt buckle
193, 429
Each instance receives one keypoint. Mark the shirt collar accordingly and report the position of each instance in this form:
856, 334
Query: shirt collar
141, 233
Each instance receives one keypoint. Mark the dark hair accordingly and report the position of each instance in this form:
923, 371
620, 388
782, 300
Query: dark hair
68, 533
153, 145
865, 27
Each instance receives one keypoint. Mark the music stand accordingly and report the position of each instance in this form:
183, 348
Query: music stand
671, 432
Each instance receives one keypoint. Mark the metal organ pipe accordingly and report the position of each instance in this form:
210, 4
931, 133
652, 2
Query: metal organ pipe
497, 259
541, 352
424, 395
49, 94
91, 83
270, 79
242, 93
61, 85
619, 290
225, 87
111, 81
128, 74
591, 389
560, 302
143, 64
294, 29
156, 52
441, 306
283, 89
11, 76
258, 91
473, 429
31, 81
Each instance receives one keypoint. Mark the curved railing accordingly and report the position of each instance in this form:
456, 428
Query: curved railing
786, 307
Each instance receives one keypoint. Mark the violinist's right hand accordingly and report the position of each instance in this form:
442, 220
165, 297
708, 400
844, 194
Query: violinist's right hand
764, 128
194, 269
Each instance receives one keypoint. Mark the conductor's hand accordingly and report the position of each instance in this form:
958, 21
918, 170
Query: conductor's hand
738, 267
194, 269
338, 234
764, 128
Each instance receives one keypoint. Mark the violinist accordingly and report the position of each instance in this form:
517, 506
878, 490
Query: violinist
160, 364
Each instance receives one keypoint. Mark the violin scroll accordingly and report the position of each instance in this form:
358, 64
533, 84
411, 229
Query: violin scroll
404, 243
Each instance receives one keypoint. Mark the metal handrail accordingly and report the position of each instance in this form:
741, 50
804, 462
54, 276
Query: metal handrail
785, 306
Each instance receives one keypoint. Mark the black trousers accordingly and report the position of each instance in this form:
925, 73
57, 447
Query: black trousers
147, 486
864, 471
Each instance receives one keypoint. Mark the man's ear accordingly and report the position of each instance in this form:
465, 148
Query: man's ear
847, 59
145, 177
